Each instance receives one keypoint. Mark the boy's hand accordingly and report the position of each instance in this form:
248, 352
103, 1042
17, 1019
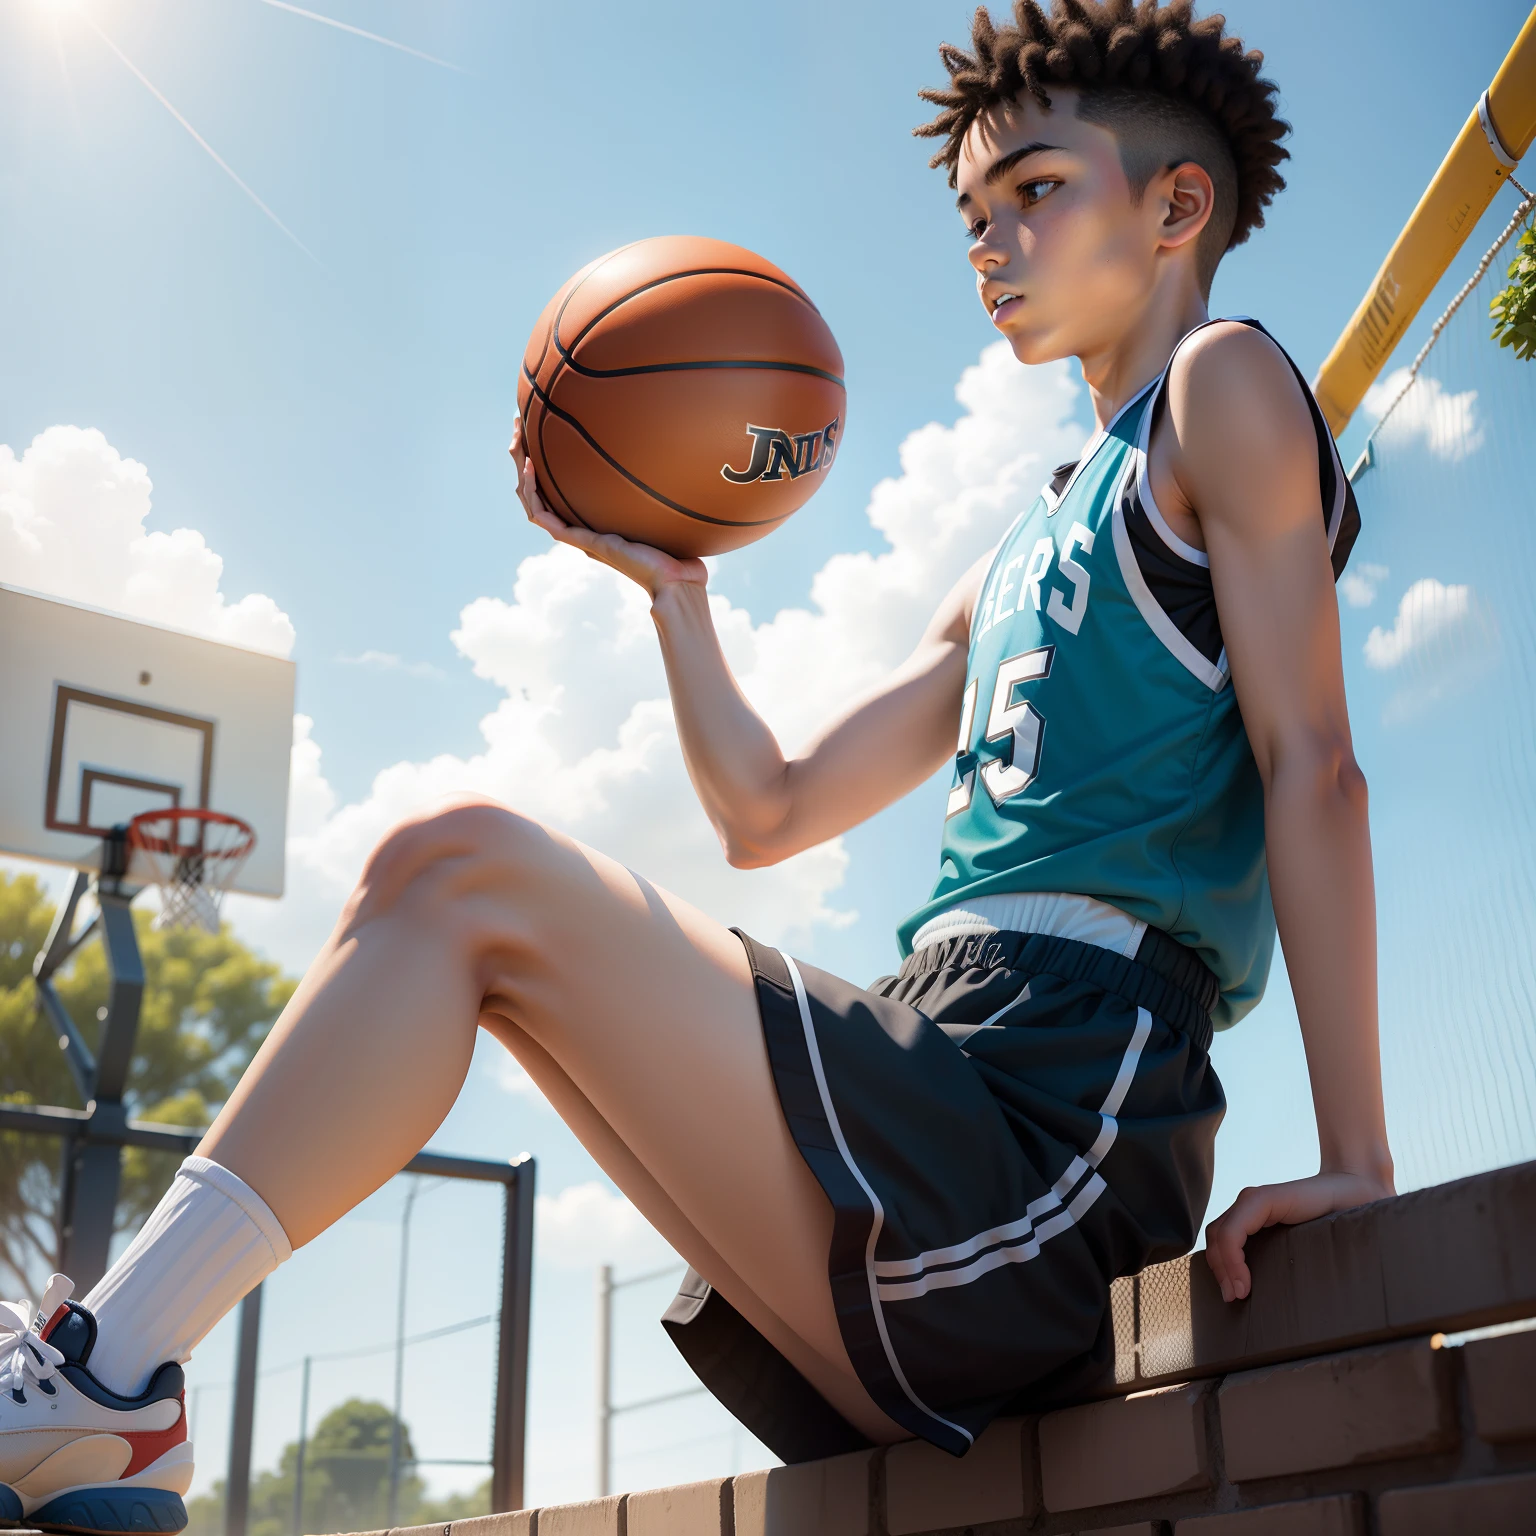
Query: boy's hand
1271, 1205
651, 568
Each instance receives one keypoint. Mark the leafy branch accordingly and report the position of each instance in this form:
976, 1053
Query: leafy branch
1513, 309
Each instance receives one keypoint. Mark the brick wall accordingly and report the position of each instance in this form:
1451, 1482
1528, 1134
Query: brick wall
1328, 1404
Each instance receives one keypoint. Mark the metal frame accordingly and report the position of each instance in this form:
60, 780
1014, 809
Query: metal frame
91, 1174
607, 1409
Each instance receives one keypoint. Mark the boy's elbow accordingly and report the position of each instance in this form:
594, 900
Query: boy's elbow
746, 852
1350, 779
1339, 776
1325, 763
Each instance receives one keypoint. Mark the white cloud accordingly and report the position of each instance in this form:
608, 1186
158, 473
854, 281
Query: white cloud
1446, 423
72, 513
1359, 585
588, 1224
511, 1077
583, 737
1429, 615
388, 661
1442, 642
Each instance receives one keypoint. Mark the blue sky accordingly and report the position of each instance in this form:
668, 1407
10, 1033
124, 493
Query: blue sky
329, 409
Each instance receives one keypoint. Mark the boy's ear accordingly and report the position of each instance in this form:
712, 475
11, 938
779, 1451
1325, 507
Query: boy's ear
1186, 198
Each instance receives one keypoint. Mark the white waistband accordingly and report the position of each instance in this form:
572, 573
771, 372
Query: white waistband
1055, 912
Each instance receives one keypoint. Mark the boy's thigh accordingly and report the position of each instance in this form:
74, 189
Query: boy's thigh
649, 1007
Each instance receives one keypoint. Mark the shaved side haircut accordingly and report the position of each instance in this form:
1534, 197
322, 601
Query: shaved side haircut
1171, 88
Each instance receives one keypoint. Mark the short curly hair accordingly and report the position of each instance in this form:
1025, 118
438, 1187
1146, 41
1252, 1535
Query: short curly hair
1129, 59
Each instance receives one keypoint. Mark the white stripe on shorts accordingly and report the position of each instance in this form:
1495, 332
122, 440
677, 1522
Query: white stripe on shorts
833, 1124
1022, 1235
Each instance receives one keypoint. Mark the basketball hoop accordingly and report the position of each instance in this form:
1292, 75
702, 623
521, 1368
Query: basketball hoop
194, 856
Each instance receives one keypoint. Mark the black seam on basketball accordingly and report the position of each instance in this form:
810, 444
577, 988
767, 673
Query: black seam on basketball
544, 350
549, 471
659, 282
551, 409
542, 395
620, 373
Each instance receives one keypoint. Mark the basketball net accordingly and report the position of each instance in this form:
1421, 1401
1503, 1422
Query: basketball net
193, 857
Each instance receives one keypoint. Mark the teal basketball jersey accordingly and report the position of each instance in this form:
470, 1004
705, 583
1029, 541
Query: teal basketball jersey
1101, 750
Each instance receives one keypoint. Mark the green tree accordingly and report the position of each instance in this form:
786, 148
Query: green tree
346, 1482
1513, 309
208, 1003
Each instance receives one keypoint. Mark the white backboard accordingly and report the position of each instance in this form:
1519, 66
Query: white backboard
102, 717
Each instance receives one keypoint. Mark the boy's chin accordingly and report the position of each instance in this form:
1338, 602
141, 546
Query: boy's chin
1033, 349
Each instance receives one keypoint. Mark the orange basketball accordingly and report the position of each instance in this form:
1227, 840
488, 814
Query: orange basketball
683, 393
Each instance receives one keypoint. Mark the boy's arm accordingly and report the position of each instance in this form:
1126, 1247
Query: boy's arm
1245, 458
764, 806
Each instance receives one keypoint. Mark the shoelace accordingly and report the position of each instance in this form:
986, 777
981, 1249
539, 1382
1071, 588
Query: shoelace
25, 1359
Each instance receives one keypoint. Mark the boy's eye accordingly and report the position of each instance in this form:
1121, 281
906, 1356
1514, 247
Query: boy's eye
975, 229
1030, 192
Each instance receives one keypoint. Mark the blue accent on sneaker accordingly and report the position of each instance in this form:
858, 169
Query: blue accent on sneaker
10, 1503
75, 1336
109, 1511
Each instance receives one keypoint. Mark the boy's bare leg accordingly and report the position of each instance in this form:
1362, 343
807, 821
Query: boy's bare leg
594, 1133
477, 915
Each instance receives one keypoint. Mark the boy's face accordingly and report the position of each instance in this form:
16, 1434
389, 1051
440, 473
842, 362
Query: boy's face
1065, 261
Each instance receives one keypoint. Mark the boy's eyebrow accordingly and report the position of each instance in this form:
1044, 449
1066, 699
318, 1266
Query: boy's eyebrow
1005, 163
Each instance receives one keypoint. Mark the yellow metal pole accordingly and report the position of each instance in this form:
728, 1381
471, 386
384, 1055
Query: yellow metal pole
1486, 151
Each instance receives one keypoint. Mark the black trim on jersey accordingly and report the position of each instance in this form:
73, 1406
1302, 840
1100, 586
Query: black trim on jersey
1179, 577
1059, 477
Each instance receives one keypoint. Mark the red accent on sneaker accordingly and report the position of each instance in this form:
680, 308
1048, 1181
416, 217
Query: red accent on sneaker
151, 1444
54, 1321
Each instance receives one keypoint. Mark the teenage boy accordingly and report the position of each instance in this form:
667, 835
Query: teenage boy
904, 1204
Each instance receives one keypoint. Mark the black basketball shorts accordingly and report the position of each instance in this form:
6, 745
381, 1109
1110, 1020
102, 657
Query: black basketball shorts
1002, 1128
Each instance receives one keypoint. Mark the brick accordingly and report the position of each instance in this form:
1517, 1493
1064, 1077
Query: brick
816, 1498
1456, 1256
1129, 1448
1342, 1515
1366, 1405
927, 1489
518, 1523
1460, 1255
597, 1517
1501, 1381
1486, 1506
690, 1509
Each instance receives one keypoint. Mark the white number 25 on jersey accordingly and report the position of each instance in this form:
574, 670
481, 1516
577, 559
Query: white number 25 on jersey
1008, 718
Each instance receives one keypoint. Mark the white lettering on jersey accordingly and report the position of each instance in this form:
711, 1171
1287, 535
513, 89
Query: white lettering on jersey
1013, 773
960, 795
1040, 558
1004, 587
1070, 615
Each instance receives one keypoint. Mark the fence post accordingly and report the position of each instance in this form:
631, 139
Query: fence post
509, 1435
298, 1463
604, 1377
237, 1496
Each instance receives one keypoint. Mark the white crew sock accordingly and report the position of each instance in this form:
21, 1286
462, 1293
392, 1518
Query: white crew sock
209, 1241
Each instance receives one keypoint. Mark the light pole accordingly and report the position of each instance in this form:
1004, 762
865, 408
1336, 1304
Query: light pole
298, 1466
607, 1409
604, 1376
394, 1429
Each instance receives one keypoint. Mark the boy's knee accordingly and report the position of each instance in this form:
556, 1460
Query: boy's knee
450, 851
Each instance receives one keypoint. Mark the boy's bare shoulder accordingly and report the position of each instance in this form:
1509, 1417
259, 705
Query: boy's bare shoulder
1237, 409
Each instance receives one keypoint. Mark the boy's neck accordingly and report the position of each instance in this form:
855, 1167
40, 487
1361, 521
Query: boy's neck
1116, 371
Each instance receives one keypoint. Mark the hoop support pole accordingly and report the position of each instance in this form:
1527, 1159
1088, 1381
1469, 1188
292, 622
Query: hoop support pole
510, 1429
1469, 177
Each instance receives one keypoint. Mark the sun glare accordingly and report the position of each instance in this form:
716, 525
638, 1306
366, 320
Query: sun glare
55, 9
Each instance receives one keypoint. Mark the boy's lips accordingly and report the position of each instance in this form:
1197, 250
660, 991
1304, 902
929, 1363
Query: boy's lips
1007, 307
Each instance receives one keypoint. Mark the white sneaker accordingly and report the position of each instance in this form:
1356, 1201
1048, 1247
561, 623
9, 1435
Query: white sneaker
74, 1455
